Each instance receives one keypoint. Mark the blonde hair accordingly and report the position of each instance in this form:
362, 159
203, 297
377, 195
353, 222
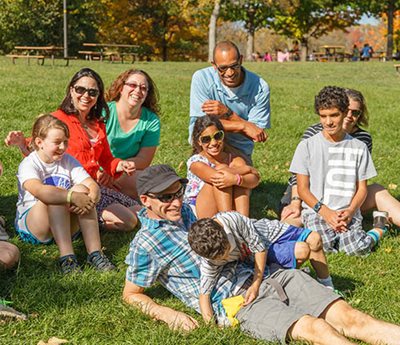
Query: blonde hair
42, 125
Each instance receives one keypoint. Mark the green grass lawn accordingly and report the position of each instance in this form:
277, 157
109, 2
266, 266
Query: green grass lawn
87, 309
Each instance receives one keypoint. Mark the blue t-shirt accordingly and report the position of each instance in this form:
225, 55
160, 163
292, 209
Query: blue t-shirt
249, 100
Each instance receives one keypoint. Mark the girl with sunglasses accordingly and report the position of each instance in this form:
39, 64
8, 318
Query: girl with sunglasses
377, 196
133, 127
218, 180
83, 110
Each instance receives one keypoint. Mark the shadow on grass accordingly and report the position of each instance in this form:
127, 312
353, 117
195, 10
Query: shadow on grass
265, 199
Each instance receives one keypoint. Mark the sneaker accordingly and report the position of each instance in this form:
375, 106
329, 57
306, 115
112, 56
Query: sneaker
381, 219
7, 312
100, 262
3, 233
69, 264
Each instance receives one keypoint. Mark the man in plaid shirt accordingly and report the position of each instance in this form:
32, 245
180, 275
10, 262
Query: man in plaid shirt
160, 252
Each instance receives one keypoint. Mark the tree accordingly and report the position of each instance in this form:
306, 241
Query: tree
212, 30
40, 22
253, 13
377, 8
305, 19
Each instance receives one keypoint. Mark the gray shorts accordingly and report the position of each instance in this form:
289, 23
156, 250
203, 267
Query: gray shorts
269, 318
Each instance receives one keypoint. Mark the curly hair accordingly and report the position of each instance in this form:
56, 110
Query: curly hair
152, 99
199, 126
332, 97
96, 112
358, 97
42, 126
208, 238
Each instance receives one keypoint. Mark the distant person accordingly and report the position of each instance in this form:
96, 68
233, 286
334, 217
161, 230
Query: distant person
282, 56
133, 127
332, 170
355, 53
366, 52
82, 110
57, 198
218, 180
295, 51
267, 57
240, 98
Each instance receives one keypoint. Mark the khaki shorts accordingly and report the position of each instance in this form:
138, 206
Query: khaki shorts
269, 318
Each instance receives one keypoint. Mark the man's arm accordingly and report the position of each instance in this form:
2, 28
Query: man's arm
176, 320
358, 199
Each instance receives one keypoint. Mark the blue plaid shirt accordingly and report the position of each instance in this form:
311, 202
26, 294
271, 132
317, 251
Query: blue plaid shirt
161, 252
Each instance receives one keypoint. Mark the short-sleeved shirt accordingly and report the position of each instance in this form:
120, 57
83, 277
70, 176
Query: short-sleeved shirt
242, 235
195, 183
249, 100
161, 252
125, 145
64, 173
334, 169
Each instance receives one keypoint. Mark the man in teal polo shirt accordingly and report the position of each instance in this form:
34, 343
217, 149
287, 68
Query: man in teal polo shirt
237, 96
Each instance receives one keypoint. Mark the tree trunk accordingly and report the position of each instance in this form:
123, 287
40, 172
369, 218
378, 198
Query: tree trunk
250, 46
164, 42
390, 15
212, 29
303, 49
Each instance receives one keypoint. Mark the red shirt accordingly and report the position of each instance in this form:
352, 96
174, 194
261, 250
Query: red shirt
92, 156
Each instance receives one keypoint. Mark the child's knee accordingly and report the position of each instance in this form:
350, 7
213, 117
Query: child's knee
314, 241
80, 188
302, 251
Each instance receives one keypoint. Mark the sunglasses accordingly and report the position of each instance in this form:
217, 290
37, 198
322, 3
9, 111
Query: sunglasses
80, 90
223, 69
218, 136
355, 113
134, 86
168, 198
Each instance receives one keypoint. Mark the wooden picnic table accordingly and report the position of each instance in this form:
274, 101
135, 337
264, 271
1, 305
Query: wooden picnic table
115, 52
37, 52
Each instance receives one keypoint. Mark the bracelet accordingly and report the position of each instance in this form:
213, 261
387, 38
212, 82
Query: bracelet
69, 196
295, 198
239, 180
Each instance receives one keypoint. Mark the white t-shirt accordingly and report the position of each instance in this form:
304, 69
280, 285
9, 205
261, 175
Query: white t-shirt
63, 174
333, 168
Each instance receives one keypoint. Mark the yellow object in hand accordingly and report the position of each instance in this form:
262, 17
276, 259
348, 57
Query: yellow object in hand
232, 305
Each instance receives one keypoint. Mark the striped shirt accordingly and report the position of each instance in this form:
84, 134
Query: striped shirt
161, 252
359, 134
244, 236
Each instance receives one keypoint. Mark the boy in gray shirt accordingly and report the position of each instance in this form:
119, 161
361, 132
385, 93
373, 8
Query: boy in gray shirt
332, 170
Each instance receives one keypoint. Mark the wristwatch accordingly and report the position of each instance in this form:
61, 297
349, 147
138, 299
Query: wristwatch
317, 206
295, 198
228, 114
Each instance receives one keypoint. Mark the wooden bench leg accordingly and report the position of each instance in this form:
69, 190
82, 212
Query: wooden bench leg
13, 60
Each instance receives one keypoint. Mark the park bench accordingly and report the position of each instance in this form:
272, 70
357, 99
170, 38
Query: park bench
39, 53
397, 66
114, 52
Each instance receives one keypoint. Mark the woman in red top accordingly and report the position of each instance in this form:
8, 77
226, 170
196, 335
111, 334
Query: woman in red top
82, 110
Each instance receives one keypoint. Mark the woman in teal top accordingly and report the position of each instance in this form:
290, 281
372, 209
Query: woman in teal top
133, 128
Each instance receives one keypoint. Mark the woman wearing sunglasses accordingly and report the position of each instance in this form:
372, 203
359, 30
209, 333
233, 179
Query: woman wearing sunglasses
218, 180
82, 110
377, 197
133, 127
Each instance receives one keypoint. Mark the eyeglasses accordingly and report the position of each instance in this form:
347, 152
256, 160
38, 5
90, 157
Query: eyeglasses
218, 136
223, 69
134, 86
168, 198
80, 90
355, 113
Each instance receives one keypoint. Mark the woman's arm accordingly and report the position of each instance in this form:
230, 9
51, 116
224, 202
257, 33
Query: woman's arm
144, 157
203, 171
